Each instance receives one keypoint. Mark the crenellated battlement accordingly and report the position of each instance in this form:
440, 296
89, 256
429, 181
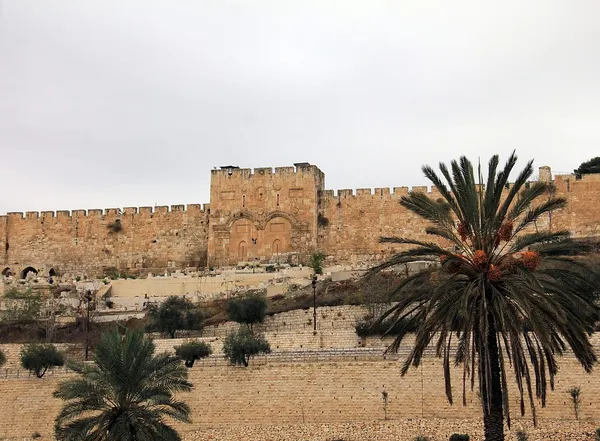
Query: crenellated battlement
345, 224
383, 192
377, 192
248, 173
107, 212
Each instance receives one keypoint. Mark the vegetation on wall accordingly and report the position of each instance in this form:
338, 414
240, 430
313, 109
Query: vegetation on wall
115, 227
575, 394
459, 437
322, 221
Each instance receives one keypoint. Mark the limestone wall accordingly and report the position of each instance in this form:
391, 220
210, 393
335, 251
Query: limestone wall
263, 212
282, 214
344, 396
82, 243
355, 220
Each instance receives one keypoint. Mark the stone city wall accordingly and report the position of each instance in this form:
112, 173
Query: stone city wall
324, 400
82, 243
353, 221
262, 214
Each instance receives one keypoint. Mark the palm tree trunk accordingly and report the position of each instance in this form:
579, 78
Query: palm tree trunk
493, 415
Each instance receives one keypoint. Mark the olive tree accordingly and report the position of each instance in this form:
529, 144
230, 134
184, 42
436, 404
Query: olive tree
39, 358
191, 351
242, 345
175, 314
248, 309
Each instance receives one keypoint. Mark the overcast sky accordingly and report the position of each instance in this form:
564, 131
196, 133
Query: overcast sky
112, 104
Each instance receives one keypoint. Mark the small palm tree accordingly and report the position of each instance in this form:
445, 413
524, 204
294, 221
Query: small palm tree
125, 395
499, 289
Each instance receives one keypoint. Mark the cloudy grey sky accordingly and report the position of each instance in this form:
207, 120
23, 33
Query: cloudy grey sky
111, 104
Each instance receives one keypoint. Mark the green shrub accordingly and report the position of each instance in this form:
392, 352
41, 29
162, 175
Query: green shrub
522, 436
242, 345
366, 328
316, 262
191, 351
247, 309
176, 313
21, 306
459, 437
39, 358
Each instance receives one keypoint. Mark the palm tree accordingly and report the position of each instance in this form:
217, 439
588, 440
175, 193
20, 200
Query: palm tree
124, 395
501, 290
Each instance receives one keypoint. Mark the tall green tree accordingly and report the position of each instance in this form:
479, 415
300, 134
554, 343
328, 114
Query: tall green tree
125, 395
504, 292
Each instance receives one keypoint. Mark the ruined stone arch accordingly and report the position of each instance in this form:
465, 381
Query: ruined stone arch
243, 238
27, 270
7, 272
277, 235
243, 215
274, 214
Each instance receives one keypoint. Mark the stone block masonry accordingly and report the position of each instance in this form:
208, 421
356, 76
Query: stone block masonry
322, 401
263, 214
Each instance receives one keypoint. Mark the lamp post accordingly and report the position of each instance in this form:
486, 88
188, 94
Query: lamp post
88, 297
314, 286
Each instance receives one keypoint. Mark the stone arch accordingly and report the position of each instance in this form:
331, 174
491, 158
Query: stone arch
7, 272
289, 217
243, 239
276, 247
277, 235
242, 250
242, 215
28, 270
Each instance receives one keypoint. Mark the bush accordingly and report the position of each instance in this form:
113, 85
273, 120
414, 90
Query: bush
175, 314
598, 434
248, 309
21, 306
191, 351
459, 437
2, 358
242, 345
522, 436
366, 328
39, 358
316, 262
